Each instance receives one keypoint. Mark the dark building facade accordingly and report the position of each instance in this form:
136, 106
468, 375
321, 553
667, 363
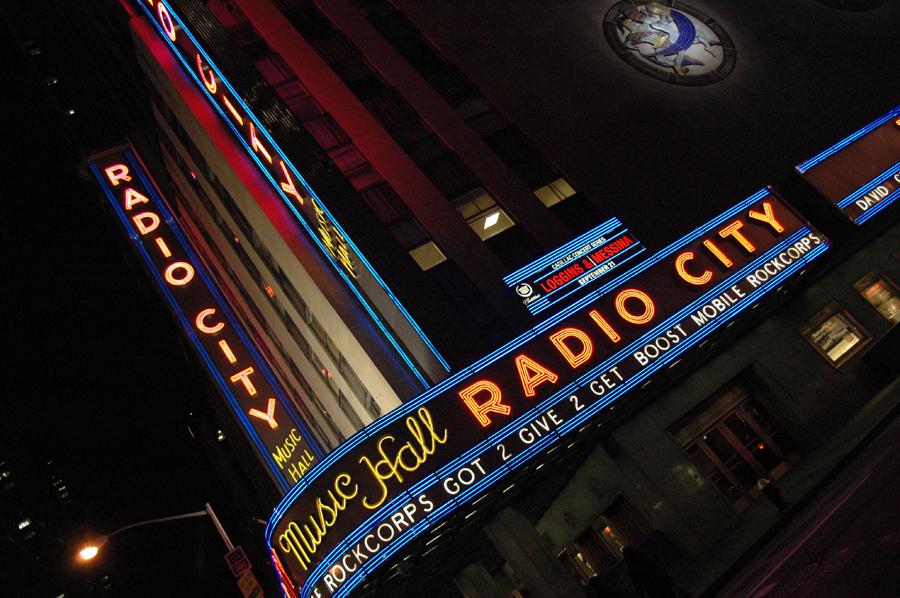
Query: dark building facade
37, 510
534, 281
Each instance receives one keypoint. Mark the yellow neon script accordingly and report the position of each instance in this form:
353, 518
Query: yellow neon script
333, 240
287, 448
303, 541
409, 457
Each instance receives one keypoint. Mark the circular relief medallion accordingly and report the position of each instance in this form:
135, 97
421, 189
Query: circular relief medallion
670, 41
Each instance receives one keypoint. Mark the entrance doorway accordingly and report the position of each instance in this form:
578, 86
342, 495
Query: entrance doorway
734, 441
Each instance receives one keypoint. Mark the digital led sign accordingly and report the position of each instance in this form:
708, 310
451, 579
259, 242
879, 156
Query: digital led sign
399, 476
567, 272
861, 173
280, 438
387, 312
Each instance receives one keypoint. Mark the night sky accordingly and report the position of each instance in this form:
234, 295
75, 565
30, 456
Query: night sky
101, 380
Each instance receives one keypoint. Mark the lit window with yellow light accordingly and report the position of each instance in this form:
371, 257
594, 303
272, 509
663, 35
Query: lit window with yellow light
555, 192
482, 213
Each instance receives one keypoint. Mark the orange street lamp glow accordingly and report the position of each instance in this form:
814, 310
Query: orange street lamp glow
88, 552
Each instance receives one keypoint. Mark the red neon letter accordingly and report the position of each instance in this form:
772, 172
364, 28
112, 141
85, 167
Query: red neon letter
768, 216
165, 19
288, 184
226, 350
256, 145
734, 230
116, 173
179, 281
132, 197
163, 248
713, 249
532, 374
494, 403
605, 326
210, 83
244, 377
587, 348
644, 298
231, 109
679, 267
200, 322
145, 227
267, 416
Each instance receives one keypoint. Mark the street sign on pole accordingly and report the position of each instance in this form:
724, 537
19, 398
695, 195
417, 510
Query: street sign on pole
237, 561
249, 586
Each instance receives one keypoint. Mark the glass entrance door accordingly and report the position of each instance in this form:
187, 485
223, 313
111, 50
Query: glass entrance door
739, 443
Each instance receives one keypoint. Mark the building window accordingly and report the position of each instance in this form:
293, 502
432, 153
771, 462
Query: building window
244, 35
303, 106
734, 442
347, 408
372, 406
835, 335
483, 214
487, 123
408, 232
327, 133
881, 293
553, 193
512, 145
297, 336
450, 175
350, 162
426, 149
325, 373
385, 202
274, 69
389, 108
335, 48
427, 256
227, 13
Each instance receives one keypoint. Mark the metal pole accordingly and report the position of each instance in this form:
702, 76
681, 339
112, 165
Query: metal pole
157, 520
219, 528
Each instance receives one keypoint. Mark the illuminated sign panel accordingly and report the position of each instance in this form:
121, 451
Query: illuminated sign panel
281, 440
337, 247
406, 471
568, 272
861, 173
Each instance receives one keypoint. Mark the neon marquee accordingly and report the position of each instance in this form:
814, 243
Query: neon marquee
860, 174
404, 473
310, 211
282, 441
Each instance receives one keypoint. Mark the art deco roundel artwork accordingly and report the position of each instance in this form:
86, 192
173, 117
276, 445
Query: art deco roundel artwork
671, 41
